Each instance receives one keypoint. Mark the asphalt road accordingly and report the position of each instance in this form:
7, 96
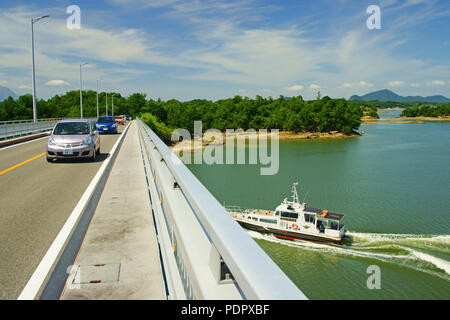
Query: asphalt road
36, 198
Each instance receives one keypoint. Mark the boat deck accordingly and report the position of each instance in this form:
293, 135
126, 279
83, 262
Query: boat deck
264, 212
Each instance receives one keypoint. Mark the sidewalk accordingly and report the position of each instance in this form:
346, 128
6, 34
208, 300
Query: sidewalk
119, 258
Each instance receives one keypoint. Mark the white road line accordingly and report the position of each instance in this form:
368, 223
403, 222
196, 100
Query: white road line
37, 279
21, 143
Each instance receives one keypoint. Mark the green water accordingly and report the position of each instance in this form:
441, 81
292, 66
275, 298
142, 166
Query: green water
392, 184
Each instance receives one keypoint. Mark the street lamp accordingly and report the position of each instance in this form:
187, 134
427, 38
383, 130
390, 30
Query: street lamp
81, 89
112, 98
33, 21
106, 106
97, 96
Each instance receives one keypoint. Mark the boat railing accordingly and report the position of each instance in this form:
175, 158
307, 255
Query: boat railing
239, 209
236, 209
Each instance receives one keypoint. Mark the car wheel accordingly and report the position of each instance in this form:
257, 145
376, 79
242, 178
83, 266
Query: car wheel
49, 159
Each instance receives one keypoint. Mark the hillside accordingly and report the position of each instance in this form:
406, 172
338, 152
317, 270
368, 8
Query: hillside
6, 92
388, 95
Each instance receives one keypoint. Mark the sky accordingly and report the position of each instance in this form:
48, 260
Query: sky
214, 49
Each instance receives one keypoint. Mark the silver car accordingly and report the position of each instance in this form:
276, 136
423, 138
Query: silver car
76, 138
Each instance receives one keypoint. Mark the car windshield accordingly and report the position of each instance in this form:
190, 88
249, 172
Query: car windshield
71, 128
105, 119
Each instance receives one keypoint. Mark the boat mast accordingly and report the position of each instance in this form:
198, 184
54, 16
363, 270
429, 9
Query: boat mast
294, 193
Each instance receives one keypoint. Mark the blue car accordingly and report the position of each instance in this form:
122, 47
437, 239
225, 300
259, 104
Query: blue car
106, 124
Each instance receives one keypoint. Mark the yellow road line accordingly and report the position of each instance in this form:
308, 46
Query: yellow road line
22, 163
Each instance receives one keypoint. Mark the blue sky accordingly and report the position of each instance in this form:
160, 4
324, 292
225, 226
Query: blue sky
213, 49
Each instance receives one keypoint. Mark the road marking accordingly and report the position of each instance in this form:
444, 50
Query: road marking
48, 261
22, 163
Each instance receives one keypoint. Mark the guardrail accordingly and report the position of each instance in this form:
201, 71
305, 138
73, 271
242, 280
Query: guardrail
204, 252
16, 128
12, 129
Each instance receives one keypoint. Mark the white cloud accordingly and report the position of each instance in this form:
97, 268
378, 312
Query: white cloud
57, 83
435, 83
222, 46
396, 83
296, 87
415, 85
361, 84
365, 84
22, 86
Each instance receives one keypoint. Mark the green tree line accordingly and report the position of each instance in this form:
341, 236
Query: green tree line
294, 114
68, 105
441, 110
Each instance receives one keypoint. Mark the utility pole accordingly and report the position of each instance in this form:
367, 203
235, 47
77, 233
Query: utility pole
81, 90
97, 99
112, 98
33, 21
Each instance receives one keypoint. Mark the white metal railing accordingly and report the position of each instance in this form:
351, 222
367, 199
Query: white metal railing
15, 128
205, 253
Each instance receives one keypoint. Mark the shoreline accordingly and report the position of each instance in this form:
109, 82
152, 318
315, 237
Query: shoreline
404, 120
283, 135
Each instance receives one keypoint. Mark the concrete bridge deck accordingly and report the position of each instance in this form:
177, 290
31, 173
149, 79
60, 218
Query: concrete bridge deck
119, 257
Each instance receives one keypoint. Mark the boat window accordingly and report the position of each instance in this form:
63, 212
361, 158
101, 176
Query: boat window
277, 213
291, 215
256, 219
268, 220
310, 218
334, 225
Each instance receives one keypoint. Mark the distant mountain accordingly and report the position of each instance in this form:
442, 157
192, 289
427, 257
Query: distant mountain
388, 95
6, 92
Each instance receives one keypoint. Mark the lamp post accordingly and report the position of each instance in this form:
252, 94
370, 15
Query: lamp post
106, 102
33, 21
112, 98
81, 90
97, 98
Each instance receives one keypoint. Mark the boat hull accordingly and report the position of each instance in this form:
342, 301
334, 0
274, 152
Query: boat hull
289, 235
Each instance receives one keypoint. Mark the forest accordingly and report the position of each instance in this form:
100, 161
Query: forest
293, 114
441, 110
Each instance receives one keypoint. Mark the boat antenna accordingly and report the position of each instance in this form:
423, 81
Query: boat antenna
294, 192
306, 194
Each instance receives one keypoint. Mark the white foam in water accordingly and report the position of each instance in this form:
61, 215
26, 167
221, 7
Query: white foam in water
439, 263
363, 242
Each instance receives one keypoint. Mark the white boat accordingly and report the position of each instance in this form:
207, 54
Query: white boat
293, 220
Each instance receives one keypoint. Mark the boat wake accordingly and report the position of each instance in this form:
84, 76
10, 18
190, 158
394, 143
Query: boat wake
425, 253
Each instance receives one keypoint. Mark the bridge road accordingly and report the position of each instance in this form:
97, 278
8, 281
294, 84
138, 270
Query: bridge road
36, 198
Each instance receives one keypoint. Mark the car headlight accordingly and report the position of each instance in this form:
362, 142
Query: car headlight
51, 142
114, 125
88, 141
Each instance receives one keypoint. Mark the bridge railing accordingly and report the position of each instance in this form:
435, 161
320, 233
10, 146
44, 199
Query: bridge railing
204, 252
15, 128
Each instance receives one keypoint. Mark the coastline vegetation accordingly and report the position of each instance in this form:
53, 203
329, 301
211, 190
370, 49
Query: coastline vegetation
441, 110
295, 114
